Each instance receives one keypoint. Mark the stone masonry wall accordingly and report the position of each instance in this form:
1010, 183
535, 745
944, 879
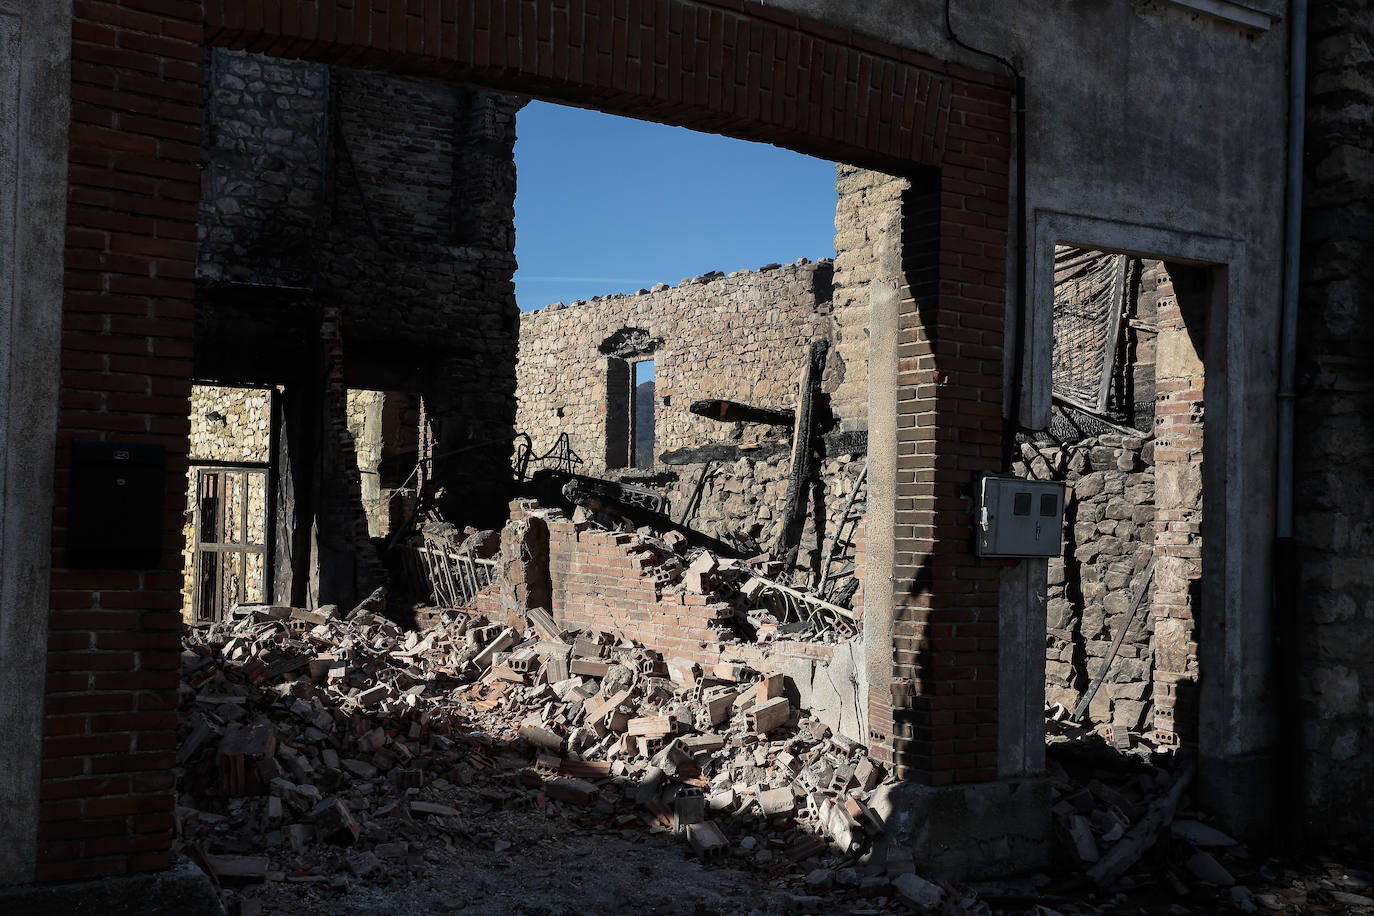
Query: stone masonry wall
227, 424
1108, 540
389, 198
1334, 499
741, 337
868, 229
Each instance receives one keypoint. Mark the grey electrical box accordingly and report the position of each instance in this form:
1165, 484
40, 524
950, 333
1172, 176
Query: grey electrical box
1019, 518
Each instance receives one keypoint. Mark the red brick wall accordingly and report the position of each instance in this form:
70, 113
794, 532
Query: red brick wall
113, 646
944, 691
1179, 385
601, 582
746, 69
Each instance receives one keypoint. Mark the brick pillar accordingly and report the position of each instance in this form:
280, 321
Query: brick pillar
944, 685
110, 736
1178, 503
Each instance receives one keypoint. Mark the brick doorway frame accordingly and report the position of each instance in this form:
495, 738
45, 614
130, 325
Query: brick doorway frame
725, 66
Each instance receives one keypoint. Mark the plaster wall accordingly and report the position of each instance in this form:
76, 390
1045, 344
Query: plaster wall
35, 60
1122, 153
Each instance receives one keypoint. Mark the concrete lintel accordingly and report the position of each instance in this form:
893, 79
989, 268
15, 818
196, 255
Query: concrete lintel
972, 831
178, 890
884, 324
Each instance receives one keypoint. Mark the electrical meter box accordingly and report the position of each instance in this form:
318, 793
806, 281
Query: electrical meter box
115, 516
1019, 518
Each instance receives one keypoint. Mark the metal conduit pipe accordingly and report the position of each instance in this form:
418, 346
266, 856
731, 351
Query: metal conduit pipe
1287, 632
1288, 341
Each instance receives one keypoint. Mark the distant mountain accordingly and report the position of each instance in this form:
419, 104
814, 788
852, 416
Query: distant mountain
644, 425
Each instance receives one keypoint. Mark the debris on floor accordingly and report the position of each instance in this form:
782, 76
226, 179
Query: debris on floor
324, 753
341, 745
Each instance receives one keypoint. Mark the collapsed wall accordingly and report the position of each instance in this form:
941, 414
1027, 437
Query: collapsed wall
635, 589
741, 337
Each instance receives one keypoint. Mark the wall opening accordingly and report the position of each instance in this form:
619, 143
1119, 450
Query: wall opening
1126, 437
642, 413
386, 440
228, 554
331, 297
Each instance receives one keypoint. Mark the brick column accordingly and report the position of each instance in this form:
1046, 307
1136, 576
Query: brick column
109, 745
944, 675
1178, 509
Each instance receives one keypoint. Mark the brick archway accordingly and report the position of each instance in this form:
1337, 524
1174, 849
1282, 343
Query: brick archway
737, 68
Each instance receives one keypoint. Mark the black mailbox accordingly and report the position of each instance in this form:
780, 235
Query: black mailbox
114, 519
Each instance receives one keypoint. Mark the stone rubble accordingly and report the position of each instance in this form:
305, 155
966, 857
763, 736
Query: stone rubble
336, 743
339, 751
1100, 794
1108, 542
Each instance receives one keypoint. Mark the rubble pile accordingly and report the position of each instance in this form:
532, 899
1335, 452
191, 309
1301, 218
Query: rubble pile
764, 606
1126, 840
332, 750
324, 742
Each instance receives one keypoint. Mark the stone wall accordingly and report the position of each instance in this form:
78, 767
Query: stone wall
1335, 426
227, 424
868, 230
389, 198
741, 337
1108, 541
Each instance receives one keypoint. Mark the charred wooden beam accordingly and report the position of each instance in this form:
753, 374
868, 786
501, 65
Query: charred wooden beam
803, 453
735, 412
850, 442
720, 451
609, 497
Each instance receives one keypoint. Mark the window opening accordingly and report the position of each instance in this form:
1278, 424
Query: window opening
643, 413
231, 540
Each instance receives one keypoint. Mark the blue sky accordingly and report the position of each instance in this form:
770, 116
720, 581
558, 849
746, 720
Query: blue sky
611, 205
